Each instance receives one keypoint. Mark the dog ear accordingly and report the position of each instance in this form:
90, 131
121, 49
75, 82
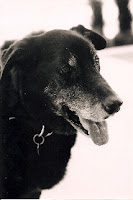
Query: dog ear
14, 61
19, 54
97, 40
19, 60
9, 76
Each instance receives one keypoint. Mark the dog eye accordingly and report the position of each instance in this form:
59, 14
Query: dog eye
66, 69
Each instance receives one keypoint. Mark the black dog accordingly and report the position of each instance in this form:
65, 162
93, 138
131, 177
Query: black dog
50, 88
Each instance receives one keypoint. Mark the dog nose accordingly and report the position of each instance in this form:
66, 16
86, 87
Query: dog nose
112, 106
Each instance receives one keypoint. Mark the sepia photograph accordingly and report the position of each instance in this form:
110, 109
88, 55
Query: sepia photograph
66, 99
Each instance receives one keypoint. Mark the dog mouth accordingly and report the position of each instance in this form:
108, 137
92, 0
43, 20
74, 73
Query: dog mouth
97, 130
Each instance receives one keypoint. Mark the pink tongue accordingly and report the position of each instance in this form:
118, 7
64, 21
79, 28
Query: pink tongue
97, 130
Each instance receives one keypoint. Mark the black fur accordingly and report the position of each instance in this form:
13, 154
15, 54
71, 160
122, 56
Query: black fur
35, 74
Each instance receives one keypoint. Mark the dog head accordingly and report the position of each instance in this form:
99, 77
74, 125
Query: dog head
59, 71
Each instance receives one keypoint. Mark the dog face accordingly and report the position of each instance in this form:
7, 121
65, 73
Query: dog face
75, 81
60, 71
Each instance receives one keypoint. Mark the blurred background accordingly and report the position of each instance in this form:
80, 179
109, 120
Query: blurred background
111, 18
94, 172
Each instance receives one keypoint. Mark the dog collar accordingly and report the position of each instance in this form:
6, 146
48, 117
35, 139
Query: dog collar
38, 139
10, 118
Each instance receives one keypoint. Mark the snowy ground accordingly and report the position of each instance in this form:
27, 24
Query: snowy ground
105, 172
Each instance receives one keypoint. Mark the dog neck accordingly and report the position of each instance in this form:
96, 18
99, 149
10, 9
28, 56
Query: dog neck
54, 125
37, 127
